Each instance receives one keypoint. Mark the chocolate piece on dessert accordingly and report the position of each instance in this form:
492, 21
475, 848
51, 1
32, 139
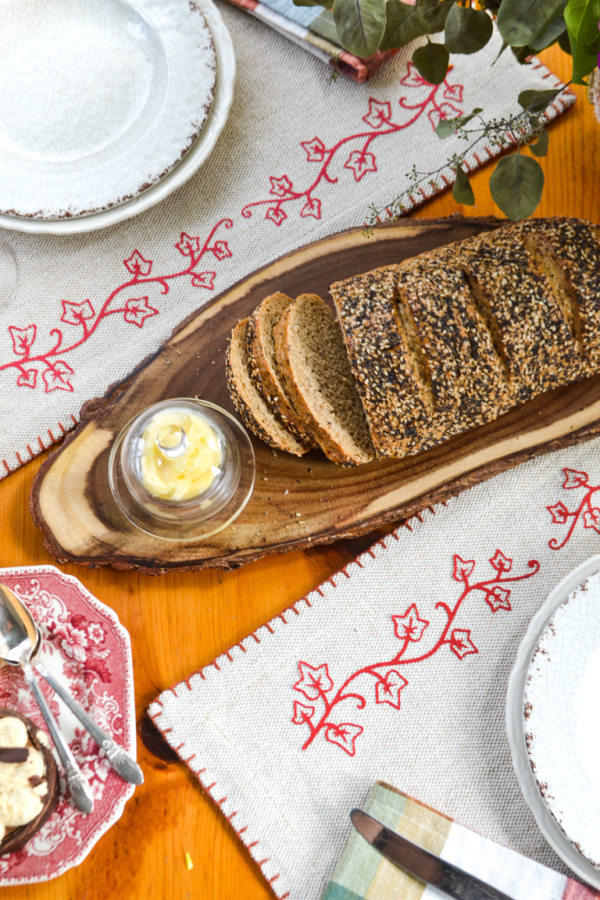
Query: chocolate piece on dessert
28, 780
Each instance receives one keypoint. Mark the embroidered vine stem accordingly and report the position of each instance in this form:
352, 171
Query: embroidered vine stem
586, 512
56, 371
315, 682
360, 160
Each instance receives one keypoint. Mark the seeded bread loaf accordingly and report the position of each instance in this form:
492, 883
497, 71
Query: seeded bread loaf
249, 402
317, 376
263, 365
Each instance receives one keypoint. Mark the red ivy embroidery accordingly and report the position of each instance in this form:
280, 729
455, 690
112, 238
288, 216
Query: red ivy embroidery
316, 684
56, 373
586, 511
441, 101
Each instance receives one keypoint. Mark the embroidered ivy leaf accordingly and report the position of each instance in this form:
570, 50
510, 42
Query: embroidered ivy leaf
315, 150
462, 568
379, 113
188, 246
204, 279
574, 479
22, 339
344, 735
461, 189
360, 25
591, 519
137, 265
137, 310
455, 92
497, 597
221, 250
409, 627
280, 187
56, 378
442, 113
559, 513
28, 378
432, 62
388, 691
314, 682
360, 163
500, 562
276, 214
540, 147
467, 30
412, 78
461, 643
302, 713
516, 185
76, 313
312, 207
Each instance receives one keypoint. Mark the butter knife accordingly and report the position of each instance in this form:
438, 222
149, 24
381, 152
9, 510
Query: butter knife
421, 863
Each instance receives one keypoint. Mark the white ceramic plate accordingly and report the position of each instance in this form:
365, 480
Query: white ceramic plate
169, 131
552, 720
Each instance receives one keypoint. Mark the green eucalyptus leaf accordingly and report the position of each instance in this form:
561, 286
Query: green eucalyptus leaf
551, 34
523, 22
448, 127
467, 29
564, 43
536, 101
326, 3
582, 18
522, 54
540, 148
461, 189
360, 25
435, 13
404, 23
431, 62
516, 185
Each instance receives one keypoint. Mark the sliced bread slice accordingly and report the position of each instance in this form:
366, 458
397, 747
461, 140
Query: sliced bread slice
317, 376
263, 364
390, 371
249, 402
505, 276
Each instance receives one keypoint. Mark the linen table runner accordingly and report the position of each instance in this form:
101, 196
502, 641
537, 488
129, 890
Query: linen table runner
362, 873
300, 158
395, 669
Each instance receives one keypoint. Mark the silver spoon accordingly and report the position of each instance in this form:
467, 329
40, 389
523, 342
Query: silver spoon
121, 762
18, 639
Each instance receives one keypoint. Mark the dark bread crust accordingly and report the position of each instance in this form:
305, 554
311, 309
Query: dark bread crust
18, 837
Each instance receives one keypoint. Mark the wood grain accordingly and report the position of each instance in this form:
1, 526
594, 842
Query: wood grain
295, 501
142, 856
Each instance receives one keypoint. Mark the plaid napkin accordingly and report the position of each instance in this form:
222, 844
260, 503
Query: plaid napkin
396, 668
313, 28
362, 873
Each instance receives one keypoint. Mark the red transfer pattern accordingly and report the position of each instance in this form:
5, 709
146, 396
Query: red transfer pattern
410, 628
89, 651
41, 362
355, 151
584, 512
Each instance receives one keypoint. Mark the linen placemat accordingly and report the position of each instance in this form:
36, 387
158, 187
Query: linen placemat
300, 158
313, 28
363, 874
395, 669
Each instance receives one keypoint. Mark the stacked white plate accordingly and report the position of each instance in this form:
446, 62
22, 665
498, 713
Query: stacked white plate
553, 719
105, 108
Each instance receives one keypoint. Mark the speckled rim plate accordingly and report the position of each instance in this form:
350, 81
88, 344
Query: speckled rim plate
516, 724
183, 170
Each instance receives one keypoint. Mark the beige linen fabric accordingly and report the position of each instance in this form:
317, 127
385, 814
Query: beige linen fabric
239, 723
68, 327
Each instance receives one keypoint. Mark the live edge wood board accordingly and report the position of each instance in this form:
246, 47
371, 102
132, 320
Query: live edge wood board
71, 500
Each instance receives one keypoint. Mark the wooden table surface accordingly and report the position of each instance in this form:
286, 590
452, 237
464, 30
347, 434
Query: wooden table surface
180, 622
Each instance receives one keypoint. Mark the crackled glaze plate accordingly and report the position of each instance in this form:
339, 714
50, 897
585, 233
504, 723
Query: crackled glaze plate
85, 647
553, 719
99, 100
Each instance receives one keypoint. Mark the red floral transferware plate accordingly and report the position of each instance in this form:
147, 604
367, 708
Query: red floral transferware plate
87, 648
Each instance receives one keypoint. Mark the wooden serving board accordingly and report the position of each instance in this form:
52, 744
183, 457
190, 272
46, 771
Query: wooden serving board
71, 500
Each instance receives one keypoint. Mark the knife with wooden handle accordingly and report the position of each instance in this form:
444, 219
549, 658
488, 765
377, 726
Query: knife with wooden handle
421, 863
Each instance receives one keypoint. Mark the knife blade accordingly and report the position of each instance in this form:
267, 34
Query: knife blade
421, 863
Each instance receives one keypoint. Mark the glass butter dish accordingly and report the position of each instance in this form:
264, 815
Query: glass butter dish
182, 469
